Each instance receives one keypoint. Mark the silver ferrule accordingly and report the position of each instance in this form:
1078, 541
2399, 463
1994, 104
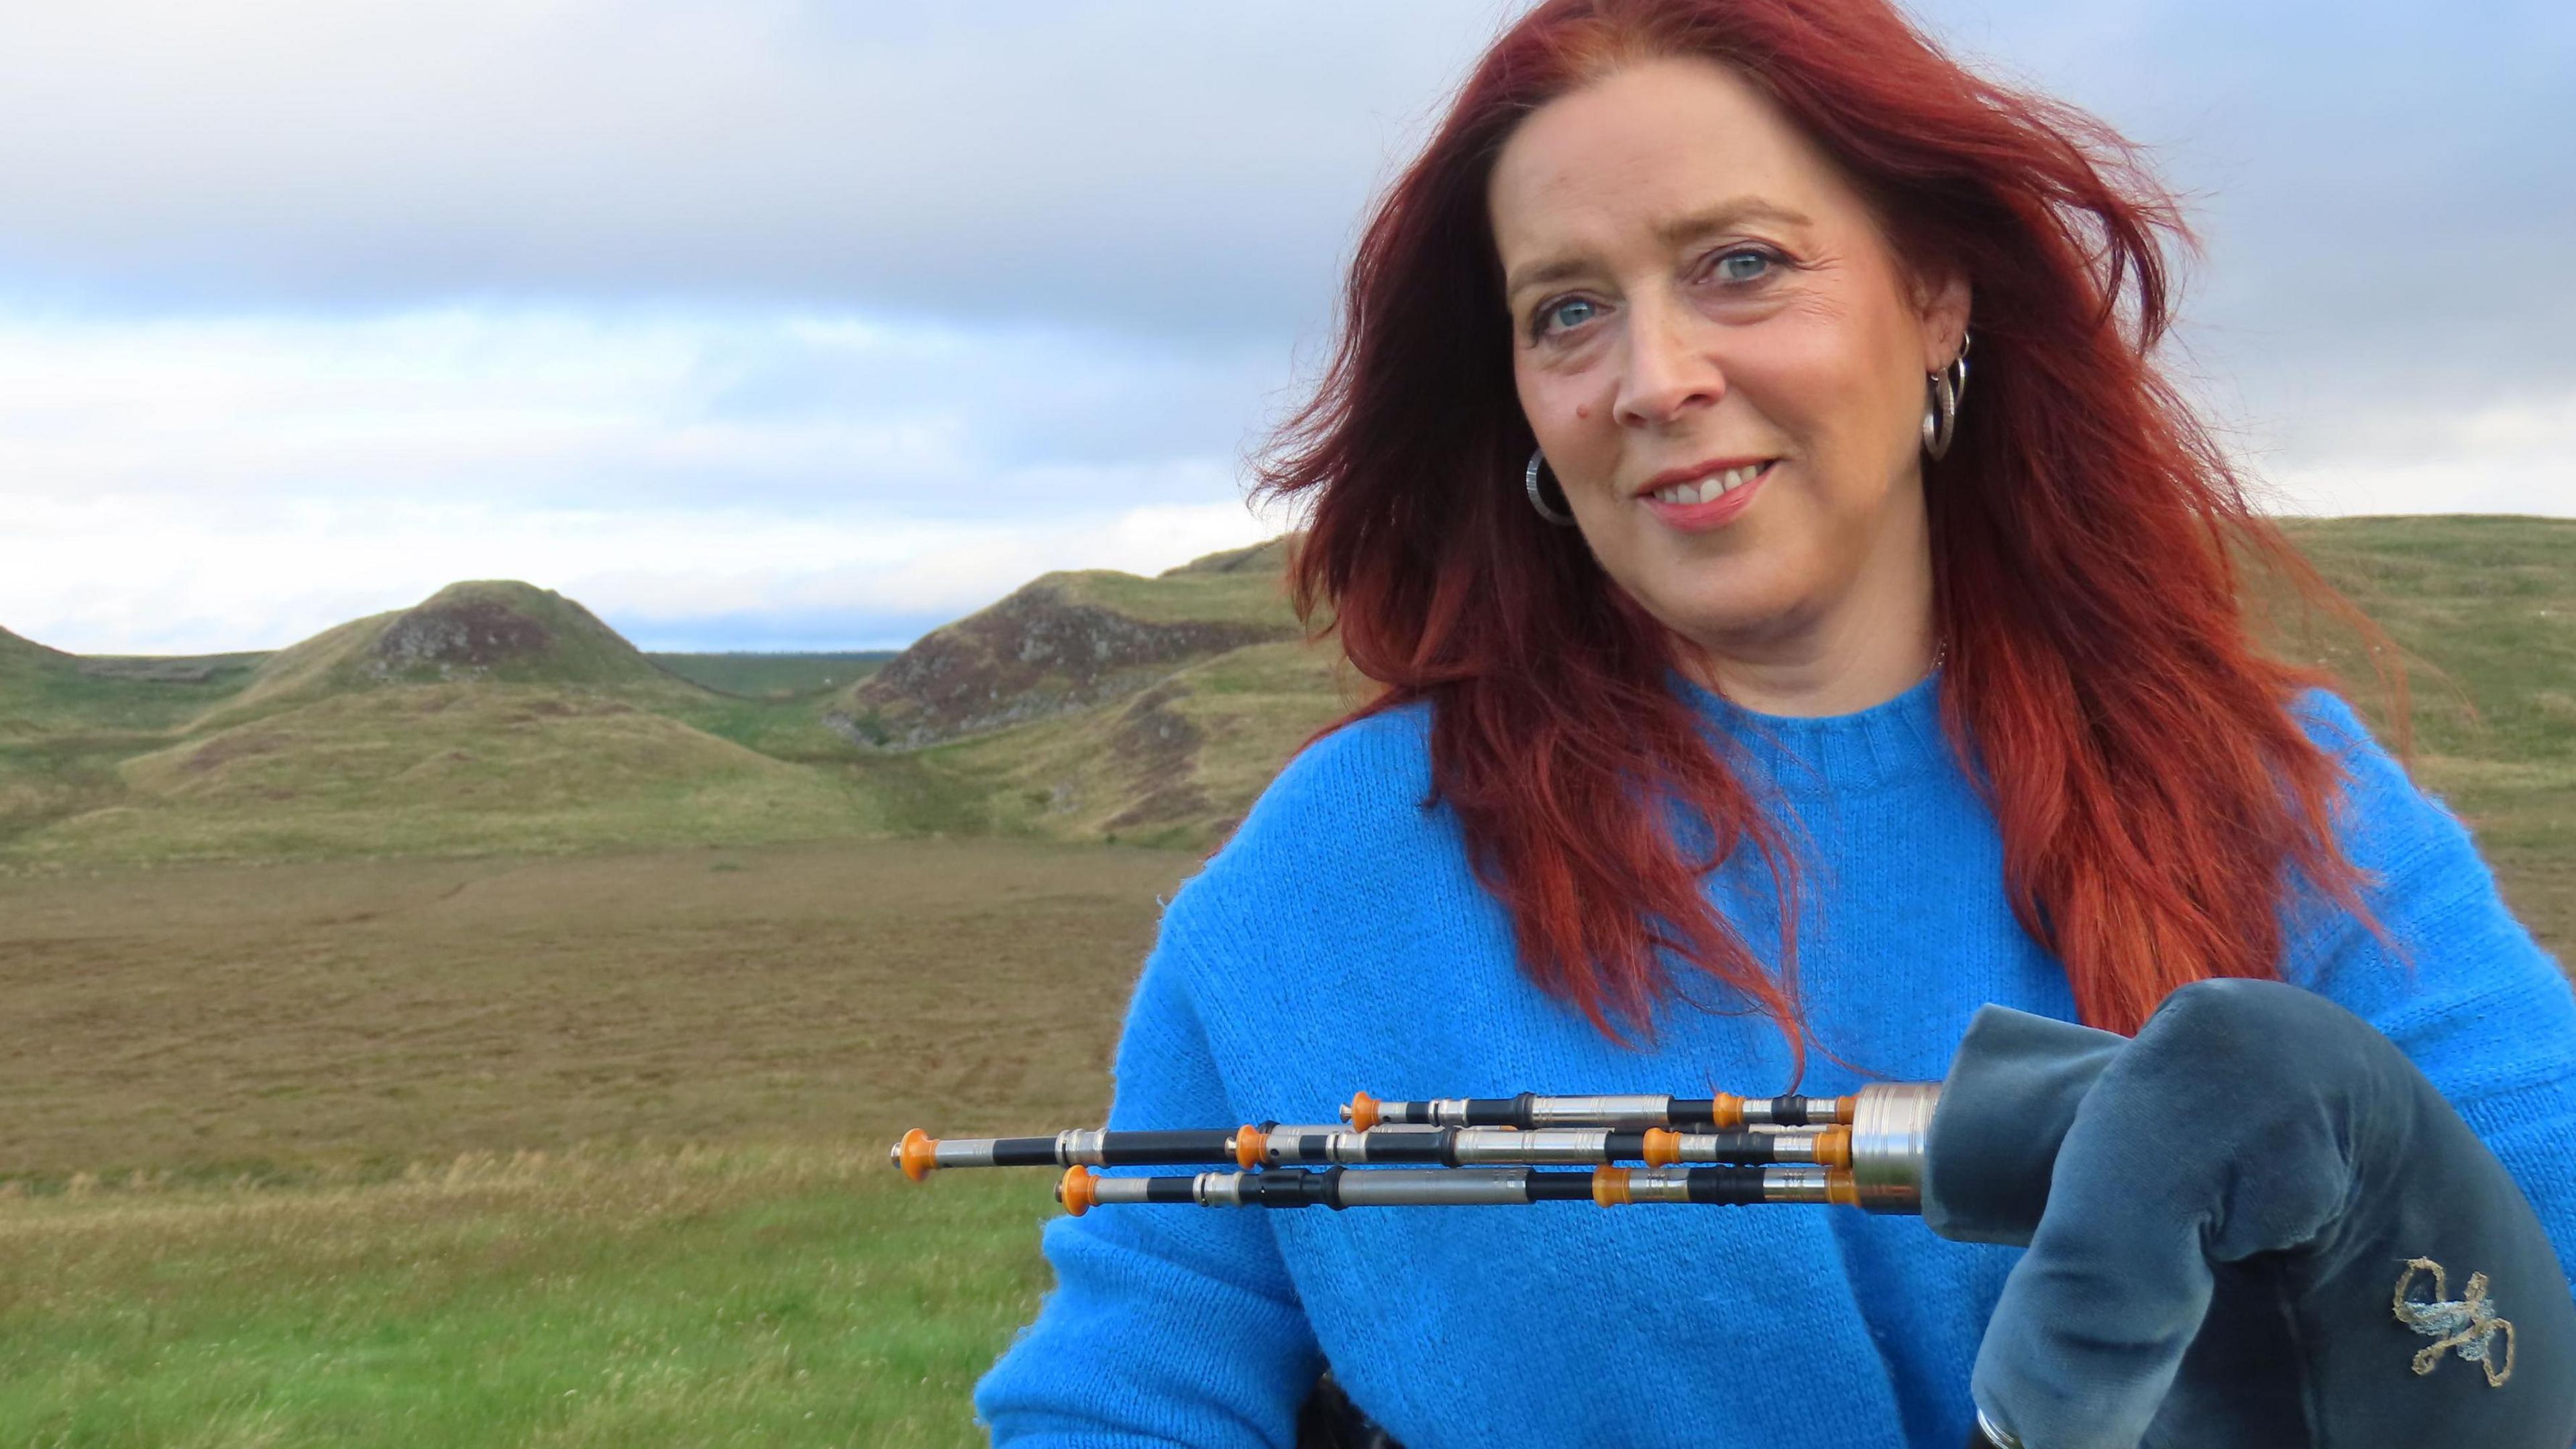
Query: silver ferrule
1797, 1145
1796, 1184
964, 1152
1212, 1189
1545, 1144
1119, 1190
1624, 1114
1079, 1147
1435, 1187
1891, 1128
1659, 1184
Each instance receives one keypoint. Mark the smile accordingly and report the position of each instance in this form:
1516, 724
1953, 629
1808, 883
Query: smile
1713, 485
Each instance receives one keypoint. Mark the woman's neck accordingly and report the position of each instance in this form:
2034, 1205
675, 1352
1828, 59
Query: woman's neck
1870, 646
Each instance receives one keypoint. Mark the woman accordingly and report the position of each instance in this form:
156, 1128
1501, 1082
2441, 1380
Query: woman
1761, 699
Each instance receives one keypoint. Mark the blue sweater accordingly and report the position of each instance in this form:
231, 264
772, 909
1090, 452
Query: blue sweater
1340, 943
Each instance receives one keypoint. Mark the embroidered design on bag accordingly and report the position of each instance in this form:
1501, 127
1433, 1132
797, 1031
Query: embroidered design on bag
2468, 1325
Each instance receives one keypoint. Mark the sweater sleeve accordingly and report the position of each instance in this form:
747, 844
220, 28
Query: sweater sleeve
1167, 1326
2451, 977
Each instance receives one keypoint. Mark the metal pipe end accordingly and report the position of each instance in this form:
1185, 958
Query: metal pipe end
1891, 1131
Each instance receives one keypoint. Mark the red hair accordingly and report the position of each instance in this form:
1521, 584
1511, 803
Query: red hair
2155, 794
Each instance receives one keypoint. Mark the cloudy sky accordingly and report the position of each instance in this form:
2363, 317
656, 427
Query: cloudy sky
757, 324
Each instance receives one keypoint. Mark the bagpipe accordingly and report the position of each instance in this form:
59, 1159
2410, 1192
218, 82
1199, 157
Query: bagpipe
2242, 1226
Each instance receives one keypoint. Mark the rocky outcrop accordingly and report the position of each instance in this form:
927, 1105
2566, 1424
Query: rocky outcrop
461, 637
1039, 652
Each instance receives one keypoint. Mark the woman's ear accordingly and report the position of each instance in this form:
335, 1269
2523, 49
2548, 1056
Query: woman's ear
1941, 302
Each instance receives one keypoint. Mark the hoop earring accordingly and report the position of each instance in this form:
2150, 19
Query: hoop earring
1941, 413
1538, 500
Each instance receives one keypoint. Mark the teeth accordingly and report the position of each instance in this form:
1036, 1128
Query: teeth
1710, 487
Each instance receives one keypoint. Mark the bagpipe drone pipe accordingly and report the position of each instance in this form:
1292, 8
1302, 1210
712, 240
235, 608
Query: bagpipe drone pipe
2253, 1224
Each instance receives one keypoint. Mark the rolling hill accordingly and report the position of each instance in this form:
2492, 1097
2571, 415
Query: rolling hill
494, 631
1062, 643
1085, 706
493, 716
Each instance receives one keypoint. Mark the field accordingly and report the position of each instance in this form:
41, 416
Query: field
505, 1051
584, 1151
774, 676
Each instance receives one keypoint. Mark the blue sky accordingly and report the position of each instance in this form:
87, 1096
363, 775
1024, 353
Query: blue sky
773, 325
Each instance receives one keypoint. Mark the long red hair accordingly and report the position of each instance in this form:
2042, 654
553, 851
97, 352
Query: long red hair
2155, 795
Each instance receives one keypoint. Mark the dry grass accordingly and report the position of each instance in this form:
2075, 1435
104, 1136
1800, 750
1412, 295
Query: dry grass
553, 1152
352, 1017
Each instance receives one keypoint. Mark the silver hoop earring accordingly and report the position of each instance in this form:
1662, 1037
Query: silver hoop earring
1538, 500
1941, 413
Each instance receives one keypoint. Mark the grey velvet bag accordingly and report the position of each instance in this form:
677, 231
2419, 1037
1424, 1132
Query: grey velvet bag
2254, 1224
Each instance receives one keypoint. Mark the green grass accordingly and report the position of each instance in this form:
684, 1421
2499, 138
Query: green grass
425, 769
1183, 597
743, 1296
45, 692
453, 1095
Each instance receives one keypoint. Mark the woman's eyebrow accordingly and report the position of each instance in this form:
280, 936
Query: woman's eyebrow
1725, 215
1540, 274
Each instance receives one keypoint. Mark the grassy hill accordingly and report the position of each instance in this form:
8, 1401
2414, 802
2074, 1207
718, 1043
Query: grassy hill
492, 717
1062, 643
498, 632
2483, 610
1086, 706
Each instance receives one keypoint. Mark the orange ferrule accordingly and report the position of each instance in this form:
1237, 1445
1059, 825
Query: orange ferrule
1076, 1191
1728, 1110
1363, 1111
1845, 1108
919, 1155
1610, 1187
1839, 1188
1833, 1147
1663, 1147
1250, 1145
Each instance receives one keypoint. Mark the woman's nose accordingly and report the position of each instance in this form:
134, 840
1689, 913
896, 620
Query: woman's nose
1671, 371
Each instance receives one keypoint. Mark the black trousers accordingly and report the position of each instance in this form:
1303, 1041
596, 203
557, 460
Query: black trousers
1331, 1421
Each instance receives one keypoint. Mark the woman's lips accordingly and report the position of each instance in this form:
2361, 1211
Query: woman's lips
1716, 512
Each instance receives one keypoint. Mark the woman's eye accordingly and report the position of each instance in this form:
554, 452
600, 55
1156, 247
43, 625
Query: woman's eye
1562, 315
1743, 266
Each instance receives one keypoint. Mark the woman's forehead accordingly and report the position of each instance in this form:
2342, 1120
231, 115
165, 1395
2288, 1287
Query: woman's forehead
1651, 153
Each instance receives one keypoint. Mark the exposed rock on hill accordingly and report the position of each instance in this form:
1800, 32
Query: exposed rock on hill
469, 634
1065, 642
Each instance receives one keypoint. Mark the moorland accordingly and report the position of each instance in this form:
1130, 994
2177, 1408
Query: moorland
465, 1028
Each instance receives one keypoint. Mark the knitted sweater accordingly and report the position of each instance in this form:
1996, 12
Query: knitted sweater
1340, 942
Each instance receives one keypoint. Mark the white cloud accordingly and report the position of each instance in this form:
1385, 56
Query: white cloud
203, 484
192, 578
1113, 162
2506, 457
772, 320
